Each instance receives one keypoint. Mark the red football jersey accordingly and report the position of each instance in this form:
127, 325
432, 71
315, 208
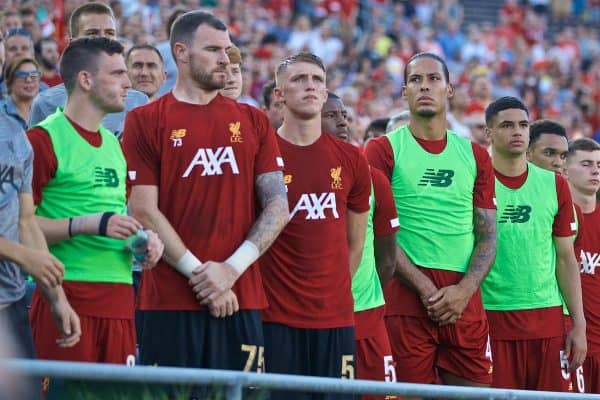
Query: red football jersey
306, 271
385, 217
588, 255
204, 160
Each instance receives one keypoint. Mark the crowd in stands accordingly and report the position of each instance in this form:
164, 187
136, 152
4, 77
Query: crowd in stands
547, 53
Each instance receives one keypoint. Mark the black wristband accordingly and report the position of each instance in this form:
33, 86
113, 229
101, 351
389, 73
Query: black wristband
70, 227
104, 223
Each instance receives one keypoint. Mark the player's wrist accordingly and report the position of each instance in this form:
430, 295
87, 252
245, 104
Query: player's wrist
243, 257
187, 264
94, 224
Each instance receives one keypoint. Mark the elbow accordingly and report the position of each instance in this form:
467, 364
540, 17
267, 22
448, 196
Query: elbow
385, 272
142, 212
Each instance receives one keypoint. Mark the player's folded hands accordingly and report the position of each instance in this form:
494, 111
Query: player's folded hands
447, 304
155, 250
224, 305
211, 280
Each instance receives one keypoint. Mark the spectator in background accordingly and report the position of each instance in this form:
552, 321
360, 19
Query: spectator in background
46, 51
145, 69
93, 20
18, 43
272, 106
233, 81
325, 44
452, 41
164, 49
10, 20
397, 120
476, 123
376, 128
22, 77
459, 103
29, 21
480, 89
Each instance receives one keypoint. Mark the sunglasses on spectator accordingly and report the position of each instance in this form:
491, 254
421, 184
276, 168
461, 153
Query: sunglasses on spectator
18, 32
27, 74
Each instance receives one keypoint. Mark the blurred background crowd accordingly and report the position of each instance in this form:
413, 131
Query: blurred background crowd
546, 52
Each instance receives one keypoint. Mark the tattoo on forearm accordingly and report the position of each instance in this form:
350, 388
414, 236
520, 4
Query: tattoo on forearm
484, 252
275, 214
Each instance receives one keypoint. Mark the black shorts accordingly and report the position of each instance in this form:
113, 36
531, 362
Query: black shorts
195, 339
314, 352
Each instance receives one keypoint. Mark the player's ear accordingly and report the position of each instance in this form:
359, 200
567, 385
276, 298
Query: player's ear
277, 94
450, 90
180, 52
404, 91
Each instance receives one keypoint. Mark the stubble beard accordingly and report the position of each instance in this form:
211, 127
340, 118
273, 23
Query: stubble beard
205, 79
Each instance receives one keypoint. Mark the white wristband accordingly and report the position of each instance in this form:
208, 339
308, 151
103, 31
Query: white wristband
187, 263
243, 257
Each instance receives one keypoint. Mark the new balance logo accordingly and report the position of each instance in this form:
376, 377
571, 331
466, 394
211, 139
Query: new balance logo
315, 205
106, 177
213, 161
515, 214
441, 178
7, 175
589, 262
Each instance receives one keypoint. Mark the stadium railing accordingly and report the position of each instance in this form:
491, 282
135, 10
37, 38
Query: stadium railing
235, 381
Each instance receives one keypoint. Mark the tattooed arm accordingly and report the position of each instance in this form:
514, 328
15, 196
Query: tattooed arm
448, 303
275, 214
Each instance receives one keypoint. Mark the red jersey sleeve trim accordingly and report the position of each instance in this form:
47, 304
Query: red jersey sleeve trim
45, 163
385, 217
380, 155
484, 189
564, 221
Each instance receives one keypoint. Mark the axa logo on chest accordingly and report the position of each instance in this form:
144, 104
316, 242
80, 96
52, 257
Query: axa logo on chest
589, 261
213, 161
316, 205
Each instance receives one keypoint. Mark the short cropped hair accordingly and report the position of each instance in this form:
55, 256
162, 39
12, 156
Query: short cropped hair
88, 8
304, 57
82, 55
186, 25
543, 126
501, 104
427, 55
583, 144
143, 47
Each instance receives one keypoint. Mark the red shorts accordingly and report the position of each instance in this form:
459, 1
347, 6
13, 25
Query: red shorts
420, 347
373, 353
102, 339
591, 375
535, 364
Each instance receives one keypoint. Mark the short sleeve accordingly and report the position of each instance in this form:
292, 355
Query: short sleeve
380, 155
385, 216
564, 221
484, 188
358, 198
141, 151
